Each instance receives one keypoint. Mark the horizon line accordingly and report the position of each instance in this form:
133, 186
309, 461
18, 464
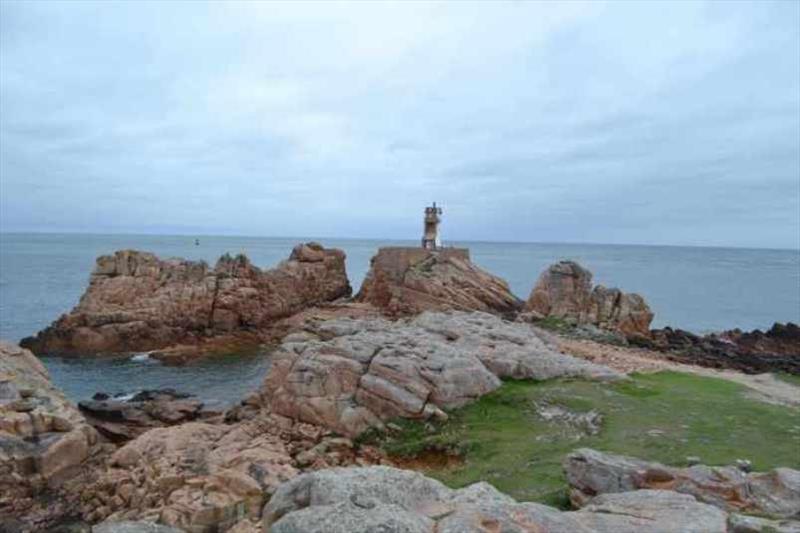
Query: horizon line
477, 241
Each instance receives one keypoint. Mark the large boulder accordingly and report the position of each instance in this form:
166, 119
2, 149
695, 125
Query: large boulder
43, 438
361, 500
775, 493
137, 302
565, 291
406, 281
350, 374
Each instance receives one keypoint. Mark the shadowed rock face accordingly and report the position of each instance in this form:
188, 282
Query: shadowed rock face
136, 301
379, 498
407, 281
565, 291
349, 375
775, 493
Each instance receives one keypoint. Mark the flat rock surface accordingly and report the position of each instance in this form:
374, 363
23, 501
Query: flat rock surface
351, 374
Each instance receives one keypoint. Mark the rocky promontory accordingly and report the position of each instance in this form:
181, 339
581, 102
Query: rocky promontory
564, 291
137, 302
406, 281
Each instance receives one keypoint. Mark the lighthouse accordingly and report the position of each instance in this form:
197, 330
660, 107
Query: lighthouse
430, 235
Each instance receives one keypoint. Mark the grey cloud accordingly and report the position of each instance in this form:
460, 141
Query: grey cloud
616, 122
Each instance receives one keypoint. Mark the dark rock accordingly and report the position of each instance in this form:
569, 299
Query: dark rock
777, 350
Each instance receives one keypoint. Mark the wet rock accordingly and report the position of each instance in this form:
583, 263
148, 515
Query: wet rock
353, 374
774, 493
138, 302
407, 281
564, 291
122, 420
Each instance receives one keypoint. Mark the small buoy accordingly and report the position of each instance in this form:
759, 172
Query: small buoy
197, 242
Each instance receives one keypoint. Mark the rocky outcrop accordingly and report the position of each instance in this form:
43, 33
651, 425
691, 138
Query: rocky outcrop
360, 500
350, 374
43, 437
137, 302
203, 477
775, 493
777, 350
121, 420
565, 291
406, 281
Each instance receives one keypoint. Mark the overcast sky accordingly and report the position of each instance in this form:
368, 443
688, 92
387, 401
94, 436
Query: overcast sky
628, 122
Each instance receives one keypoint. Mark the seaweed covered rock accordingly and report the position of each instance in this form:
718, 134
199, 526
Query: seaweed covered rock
406, 281
136, 301
565, 291
776, 350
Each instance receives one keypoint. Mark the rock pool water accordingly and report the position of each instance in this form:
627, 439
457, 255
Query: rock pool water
225, 378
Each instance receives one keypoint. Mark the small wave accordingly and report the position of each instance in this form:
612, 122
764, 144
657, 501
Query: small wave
141, 357
125, 397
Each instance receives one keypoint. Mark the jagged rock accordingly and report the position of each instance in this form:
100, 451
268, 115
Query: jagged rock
775, 493
777, 350
127, 526
565, 291
355, 500
211, 477
123, 420
348, 374
43, 437
407, 281
137, 302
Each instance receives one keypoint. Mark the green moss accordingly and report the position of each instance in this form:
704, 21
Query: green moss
663, 417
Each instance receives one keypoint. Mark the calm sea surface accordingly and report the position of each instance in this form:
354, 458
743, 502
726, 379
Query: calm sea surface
699, 289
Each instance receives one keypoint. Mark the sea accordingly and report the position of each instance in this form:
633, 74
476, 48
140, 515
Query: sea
693, 288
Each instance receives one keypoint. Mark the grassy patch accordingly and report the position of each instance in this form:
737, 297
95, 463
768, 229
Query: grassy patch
664, 417
794, 379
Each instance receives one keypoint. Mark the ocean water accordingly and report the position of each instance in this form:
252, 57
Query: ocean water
698, 289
